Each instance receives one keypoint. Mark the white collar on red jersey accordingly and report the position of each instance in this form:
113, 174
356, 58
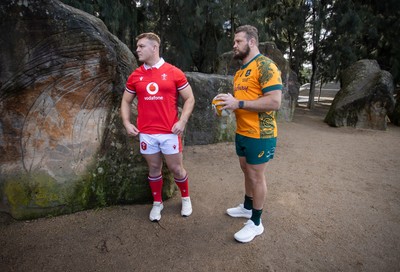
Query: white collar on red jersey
157, 65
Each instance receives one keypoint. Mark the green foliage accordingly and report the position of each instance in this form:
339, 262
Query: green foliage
193, 42
331, 34
362, 30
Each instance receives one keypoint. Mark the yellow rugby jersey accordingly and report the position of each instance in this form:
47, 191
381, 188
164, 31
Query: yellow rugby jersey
257, 77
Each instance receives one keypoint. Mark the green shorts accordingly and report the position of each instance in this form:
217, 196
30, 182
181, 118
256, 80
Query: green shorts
256, 151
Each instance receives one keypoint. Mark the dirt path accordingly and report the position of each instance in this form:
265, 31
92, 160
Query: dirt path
333, 205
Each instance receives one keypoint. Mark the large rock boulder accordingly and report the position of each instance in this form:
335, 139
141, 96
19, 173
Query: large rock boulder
62, 144
290, 93
204, 126
365, 97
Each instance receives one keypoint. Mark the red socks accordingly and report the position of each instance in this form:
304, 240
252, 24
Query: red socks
183, 185
156, 184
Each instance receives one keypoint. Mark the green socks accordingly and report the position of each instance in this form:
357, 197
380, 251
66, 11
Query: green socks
256, 216
248, 202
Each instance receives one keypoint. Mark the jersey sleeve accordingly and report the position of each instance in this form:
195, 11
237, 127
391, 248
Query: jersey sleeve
130, 84
180, 79
270, 76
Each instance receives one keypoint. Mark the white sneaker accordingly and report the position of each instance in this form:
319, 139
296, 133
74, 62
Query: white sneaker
155, 213
186, 206
248, 232
239, 211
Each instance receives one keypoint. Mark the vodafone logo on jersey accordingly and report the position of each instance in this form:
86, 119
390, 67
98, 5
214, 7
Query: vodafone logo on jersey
152, 89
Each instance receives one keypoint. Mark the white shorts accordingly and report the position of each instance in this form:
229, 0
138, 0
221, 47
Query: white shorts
166, 143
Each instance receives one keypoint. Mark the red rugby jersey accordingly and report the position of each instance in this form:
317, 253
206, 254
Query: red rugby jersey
157, 89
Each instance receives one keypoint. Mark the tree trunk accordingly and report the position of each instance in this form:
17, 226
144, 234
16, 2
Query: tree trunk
314, 71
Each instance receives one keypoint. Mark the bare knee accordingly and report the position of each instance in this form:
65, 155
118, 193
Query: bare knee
178, 171
154, 165
255, 174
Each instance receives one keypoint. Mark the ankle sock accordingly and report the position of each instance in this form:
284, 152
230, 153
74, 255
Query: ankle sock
256, 216
248, 202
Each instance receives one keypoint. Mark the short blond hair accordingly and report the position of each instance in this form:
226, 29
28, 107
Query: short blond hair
149, 35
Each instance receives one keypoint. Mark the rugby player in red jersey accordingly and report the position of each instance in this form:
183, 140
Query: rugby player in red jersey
157, 85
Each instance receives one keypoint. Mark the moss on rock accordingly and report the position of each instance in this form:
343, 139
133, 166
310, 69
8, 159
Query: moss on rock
34, 195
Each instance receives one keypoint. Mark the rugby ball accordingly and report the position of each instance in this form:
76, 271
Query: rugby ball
218, 108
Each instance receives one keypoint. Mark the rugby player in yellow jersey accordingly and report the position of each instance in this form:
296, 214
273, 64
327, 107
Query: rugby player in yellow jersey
256, 96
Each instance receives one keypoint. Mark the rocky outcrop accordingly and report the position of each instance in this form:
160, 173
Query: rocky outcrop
204, 126
228, 66
62, 144
365, 97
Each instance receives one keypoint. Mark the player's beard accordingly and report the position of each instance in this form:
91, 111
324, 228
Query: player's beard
242, 54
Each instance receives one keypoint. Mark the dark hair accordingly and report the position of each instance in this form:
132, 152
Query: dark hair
251, 32
149, 35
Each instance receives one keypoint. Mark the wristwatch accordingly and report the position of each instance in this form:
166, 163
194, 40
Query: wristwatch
241, 104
